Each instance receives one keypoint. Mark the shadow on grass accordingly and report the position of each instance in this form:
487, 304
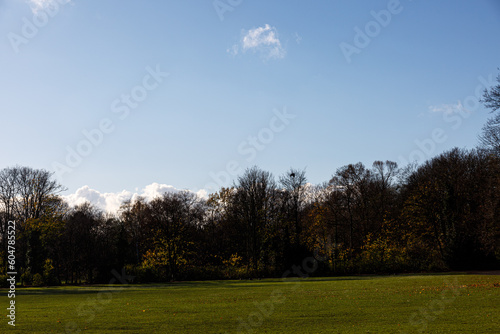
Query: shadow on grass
249, 283
229, 284
68, 290
225, 284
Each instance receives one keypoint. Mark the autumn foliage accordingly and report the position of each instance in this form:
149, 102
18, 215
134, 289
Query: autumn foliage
441, 215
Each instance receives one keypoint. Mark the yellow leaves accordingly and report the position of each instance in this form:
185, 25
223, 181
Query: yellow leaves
233, 261
166, 252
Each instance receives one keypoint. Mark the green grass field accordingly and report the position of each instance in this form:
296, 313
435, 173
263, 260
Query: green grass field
367, 304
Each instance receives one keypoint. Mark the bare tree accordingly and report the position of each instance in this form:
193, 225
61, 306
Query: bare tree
27, 194
25, 191
254, 192
490, 136
294, 182
353, 182
383, 178
133, 215
8, 183
491, 98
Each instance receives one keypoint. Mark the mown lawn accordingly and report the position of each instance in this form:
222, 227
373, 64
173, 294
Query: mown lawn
369, 304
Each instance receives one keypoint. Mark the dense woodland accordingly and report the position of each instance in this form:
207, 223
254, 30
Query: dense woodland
441, 215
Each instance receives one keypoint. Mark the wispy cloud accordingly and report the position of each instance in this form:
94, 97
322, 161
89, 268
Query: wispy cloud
448, 109
234, 50
111, 202
262, 40
38, 5
298, 38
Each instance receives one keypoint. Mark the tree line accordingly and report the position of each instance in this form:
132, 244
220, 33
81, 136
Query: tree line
441, 215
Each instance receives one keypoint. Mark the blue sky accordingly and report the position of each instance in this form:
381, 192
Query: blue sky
173, 92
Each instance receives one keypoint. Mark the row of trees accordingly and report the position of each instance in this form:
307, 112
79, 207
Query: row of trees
443, 214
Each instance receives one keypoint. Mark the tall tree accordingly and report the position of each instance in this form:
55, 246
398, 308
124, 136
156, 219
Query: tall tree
353, 181
293, 200
294, 183
79, 243
34, 187
26, 194
454, 198
251, 204
174, 217
134, 217
383, 195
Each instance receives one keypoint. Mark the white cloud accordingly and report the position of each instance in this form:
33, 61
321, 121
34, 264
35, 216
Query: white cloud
38, 5
111, 202
448, 109
155, 190
263, 40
